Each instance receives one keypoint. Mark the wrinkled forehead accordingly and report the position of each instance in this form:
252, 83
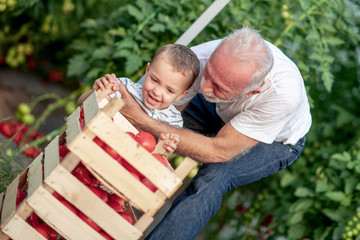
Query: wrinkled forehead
224, 67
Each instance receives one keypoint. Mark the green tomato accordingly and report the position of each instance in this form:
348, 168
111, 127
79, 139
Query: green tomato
24, 108
178, 160
193, 172
28, 119
70, 107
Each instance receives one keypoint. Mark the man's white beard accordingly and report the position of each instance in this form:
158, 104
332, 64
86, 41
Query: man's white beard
211, 97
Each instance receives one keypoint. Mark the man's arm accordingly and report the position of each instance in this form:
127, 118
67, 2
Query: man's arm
226, 144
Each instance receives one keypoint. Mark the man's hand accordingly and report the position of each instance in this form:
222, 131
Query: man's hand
132, 110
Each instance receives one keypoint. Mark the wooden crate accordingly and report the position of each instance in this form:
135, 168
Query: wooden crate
49, 174
103, 120
40, 181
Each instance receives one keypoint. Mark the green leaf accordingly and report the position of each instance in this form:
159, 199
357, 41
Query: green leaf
322, 186
334, 41
338, 196
301, 204
103, 52
344, 156
350, 184
122, 53
328, 80
296, 217
77, 65
334, 214
93, 74
133, 63
303, 192
287, 179
296, 232
135, 12
158, 27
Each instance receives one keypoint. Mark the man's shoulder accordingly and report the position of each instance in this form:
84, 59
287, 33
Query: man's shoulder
205, 49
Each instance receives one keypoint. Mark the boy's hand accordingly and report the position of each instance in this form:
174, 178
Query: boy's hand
105, 81
171, 142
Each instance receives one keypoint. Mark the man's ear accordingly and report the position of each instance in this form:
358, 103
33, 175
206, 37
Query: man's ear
252, 93
183, 94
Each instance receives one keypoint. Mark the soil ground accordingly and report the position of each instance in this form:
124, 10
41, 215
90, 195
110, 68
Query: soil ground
16, 87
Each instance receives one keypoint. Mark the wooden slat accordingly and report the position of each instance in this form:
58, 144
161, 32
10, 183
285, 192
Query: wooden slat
136, 155
94, 157
51, 156
73, 126
35, 174
3, 236
74, 116
122, 123
59, 217
144, 222
84, 199
18, 229
113, 107
70, 161
91, 108
9, 200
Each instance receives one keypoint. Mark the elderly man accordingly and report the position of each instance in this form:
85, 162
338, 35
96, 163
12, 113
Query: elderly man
246, 116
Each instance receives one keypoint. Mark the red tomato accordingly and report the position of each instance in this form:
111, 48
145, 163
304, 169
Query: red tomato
89, 221
105, 235
149, 184
160, 158
31, 152
41, 229
53, 235
117, 198
102, 194
34, 220
99, 142
112, 152
131, 134
20, 196
6, 128
85, 176
127, 217
146, 140
63, 150
117, 206
132, 170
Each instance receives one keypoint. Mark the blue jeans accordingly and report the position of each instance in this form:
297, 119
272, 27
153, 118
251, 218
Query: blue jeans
202, 199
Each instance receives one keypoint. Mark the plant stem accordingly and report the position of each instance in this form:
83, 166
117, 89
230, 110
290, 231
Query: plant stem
294, 23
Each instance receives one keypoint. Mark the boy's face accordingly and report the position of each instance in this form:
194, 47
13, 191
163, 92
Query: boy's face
163, 85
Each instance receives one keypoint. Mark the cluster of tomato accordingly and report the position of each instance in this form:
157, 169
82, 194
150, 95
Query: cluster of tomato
36, 222
147, 141
21, 134
117, 203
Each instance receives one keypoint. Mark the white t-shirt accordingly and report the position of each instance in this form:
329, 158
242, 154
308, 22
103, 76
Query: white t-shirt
280, 112
169, 115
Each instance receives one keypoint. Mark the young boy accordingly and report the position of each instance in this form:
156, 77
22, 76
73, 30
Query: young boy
169, 75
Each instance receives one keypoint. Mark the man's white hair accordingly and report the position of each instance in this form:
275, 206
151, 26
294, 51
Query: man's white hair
248, 45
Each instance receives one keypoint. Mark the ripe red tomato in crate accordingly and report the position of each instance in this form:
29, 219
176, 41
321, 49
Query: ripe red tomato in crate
146, 140
85, 176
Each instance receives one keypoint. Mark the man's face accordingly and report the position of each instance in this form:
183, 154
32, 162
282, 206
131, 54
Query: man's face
163, 85
224, 78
